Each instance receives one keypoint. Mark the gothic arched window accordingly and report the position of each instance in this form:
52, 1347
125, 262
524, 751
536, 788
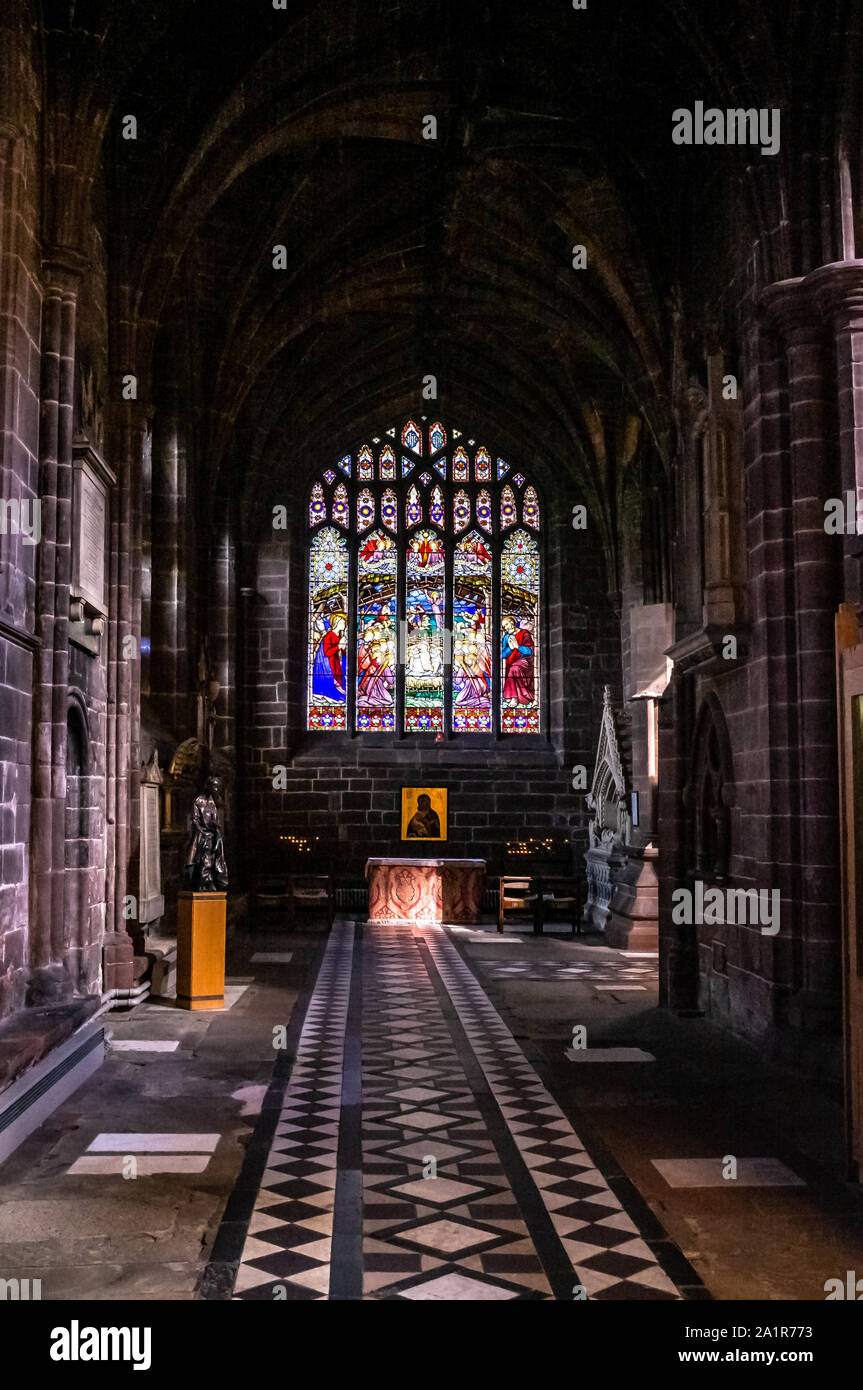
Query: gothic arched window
424, 560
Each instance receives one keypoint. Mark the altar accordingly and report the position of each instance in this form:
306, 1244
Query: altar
425, 890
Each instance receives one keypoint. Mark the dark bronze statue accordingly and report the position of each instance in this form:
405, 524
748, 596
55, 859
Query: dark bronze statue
204, 868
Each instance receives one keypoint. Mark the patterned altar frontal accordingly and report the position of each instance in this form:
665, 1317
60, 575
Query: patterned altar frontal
424, 891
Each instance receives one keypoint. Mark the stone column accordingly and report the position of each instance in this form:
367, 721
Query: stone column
838, 291
62, 275
124, 652
816, 576
222, 627
20, 320
170, 682
721, 504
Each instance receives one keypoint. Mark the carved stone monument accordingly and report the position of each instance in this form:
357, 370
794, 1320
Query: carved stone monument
88, 592
608, 829
151, 904
622, 888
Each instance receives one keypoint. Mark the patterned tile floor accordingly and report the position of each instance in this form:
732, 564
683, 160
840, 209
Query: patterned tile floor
418, 1155
588, 965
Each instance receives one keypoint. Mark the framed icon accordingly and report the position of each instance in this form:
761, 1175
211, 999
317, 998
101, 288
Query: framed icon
424, 813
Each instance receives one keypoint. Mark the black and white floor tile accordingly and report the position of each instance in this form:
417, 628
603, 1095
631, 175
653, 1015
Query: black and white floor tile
288, 1247
418, 1156
583, 967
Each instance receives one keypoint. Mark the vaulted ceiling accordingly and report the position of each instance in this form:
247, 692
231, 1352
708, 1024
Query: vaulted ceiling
452, 256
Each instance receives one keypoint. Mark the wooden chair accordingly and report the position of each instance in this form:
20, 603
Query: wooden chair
555, 893
515, 894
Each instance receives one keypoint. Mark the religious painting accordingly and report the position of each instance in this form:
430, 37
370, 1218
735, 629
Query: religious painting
424, 813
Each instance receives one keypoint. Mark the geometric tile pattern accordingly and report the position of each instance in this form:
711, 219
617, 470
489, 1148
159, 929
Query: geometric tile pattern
440, 1220
583, 967
475, 1185
287, 1250
608, 1257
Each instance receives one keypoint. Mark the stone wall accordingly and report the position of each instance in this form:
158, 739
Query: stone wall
20, 369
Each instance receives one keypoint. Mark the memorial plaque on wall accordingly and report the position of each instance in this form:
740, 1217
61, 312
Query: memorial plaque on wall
651, 628
90, 521
152, 903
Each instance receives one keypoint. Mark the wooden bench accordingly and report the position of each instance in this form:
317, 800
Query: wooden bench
293, 893
313, 891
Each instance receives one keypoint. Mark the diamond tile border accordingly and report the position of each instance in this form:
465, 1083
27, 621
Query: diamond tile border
579, 1201
454, 1233
288, 1248
513, 1179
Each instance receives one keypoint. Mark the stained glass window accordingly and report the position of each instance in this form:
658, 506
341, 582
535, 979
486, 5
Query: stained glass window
471, 647
437, 436
328, 613
519, 603
376, 632
530, 508
414, 512
425, 614
317, 506
390, 510
378, 608
412, 438
365, 510
340, 505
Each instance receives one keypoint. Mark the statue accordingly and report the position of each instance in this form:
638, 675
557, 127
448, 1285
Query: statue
204, 868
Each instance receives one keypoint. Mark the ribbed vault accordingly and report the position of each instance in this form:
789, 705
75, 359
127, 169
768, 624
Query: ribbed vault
452, 257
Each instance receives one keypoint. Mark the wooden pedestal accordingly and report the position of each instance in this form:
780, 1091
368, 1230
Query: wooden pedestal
201, 950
